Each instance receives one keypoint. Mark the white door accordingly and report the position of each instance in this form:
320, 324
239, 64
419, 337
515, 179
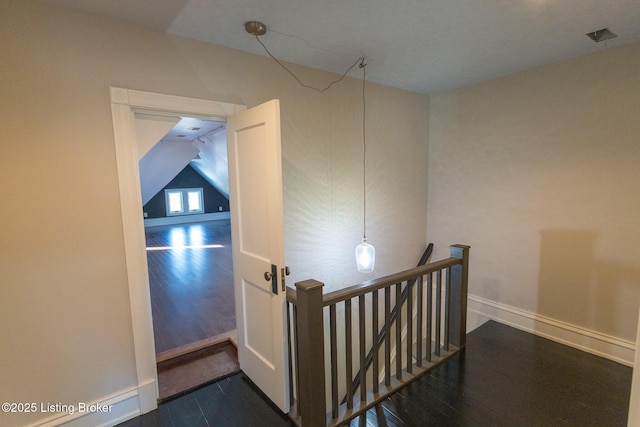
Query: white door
255, 182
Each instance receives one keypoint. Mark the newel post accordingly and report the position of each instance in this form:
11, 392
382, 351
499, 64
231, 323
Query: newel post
459, 288
310, 347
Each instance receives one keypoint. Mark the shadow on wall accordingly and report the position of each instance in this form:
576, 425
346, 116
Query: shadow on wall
577, 288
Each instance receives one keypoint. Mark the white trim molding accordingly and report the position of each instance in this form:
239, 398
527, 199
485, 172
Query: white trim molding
124, 103
106, 411
634, 402
214, 216
480, 310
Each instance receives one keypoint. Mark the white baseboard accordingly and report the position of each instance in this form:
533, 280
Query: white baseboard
480, 310
107, 411
147, 396
184, 219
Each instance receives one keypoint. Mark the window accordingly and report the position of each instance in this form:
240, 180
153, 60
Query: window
194, 200
175, 203
184, 201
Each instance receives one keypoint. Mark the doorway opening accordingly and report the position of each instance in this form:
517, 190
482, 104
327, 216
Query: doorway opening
124, 104
185, 203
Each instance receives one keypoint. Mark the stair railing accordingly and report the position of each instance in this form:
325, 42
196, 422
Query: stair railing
394, 314
430, 327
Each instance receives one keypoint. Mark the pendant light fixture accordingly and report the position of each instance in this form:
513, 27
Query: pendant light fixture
365, 252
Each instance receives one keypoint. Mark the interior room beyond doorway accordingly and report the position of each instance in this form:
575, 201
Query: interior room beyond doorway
191, 282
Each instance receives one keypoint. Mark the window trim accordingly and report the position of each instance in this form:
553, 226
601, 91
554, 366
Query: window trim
184, 194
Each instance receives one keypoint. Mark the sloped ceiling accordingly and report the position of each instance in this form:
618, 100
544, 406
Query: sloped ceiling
212, 163
167, 144
425, 46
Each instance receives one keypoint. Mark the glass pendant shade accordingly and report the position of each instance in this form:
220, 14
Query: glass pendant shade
365, 257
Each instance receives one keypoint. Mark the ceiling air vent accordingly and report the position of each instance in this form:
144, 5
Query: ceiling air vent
601, 35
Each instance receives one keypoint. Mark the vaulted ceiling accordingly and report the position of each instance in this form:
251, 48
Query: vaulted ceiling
167, 144
425, 46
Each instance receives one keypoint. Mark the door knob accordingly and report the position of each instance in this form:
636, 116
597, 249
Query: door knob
267, 276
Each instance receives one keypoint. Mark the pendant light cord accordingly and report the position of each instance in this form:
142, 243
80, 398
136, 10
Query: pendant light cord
361, 60
364, 150
362, 65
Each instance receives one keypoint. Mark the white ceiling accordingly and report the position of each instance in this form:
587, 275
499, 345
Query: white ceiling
190, 129
167, 144
425, 46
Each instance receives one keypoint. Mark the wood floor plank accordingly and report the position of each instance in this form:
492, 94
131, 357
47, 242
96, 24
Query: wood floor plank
191, 288
504, 377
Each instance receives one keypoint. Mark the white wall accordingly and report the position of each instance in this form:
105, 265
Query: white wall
64, 302
539, 173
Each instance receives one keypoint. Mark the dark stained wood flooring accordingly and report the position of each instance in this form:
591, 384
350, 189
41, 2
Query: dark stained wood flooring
505, 377
232, 402
191, 285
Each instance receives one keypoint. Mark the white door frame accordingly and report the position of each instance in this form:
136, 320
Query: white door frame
124, 103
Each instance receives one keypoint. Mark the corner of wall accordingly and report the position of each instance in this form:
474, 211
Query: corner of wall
481, 310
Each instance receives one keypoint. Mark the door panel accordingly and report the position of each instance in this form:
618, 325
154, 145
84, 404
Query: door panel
255, 181
256, 306
253, 192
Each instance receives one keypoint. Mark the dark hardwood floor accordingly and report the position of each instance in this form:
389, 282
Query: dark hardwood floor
231, 402
191, 282
505, 377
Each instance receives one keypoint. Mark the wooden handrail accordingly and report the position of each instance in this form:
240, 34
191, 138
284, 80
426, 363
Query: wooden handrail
371, 285
382, 282
292, 295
